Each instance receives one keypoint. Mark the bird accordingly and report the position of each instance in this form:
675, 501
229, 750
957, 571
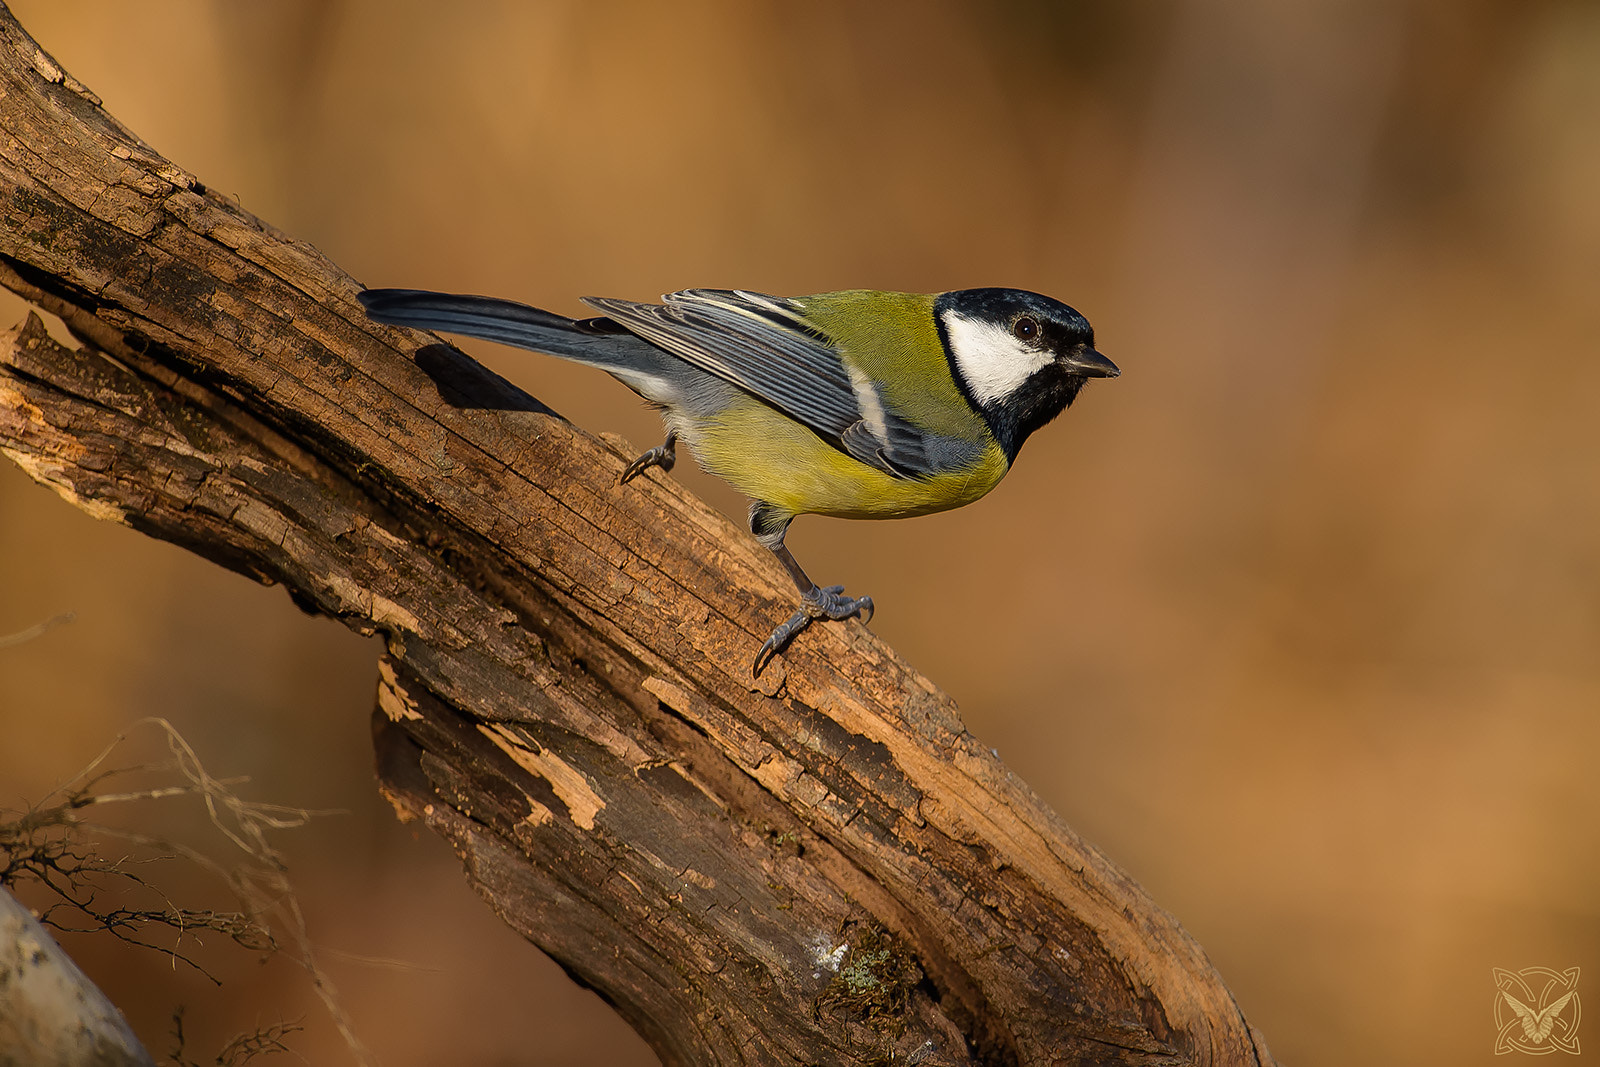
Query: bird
861, 403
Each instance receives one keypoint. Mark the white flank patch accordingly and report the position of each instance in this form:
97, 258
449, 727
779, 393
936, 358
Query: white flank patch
657, 390
992, 362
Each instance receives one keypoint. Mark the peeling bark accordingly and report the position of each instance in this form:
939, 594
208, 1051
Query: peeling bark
824, 868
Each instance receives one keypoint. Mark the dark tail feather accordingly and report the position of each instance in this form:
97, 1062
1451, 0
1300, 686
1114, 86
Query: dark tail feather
596, 341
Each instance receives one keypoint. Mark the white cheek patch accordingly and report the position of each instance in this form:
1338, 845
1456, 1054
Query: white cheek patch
992, 362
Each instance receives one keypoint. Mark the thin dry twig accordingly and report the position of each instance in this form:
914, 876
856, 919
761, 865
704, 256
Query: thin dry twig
47, 844
36, 630
236, 1053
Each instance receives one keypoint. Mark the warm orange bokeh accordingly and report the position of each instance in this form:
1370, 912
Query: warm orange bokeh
1299, 620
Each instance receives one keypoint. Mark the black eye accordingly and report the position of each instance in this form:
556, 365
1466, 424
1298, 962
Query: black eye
1025, 328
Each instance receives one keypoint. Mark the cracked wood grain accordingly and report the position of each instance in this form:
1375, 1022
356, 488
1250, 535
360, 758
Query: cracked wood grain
565, 692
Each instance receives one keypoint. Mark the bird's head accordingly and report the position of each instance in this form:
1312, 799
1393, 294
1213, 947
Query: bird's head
1019, 358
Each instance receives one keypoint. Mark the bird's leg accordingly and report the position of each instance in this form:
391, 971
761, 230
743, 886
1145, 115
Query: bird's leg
663, 455
815, 602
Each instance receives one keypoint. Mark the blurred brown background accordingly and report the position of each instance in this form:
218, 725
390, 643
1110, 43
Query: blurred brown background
1299, 620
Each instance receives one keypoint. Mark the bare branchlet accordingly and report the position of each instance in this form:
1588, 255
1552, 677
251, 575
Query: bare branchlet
36, 630
97, 874
236, 1053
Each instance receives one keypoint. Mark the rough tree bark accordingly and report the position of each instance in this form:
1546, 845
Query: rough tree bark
823, 869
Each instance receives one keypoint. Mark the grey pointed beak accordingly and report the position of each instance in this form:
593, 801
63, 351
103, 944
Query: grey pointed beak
1090, 364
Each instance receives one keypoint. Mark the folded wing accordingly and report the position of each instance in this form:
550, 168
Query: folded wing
764, 345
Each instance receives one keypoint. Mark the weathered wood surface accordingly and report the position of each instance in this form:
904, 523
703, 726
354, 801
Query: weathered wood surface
823, 869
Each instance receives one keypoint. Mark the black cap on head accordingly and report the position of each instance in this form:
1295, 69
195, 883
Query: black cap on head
1019, 357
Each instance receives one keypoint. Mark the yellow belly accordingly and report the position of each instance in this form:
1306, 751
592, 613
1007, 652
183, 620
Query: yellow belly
770, 457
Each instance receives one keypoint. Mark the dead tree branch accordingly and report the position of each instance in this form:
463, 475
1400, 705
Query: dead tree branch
826, 869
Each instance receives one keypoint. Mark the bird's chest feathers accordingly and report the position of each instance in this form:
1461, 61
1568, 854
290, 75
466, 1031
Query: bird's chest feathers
770, 457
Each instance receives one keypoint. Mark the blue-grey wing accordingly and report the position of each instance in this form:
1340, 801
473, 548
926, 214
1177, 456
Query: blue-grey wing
762, 344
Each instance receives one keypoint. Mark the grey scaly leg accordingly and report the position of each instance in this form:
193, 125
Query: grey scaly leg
664, 455
769, 526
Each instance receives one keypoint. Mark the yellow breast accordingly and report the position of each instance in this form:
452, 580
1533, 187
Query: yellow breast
770, 457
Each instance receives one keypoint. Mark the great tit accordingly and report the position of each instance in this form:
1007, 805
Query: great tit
860, 404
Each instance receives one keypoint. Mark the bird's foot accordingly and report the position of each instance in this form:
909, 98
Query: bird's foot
663, 456
829, 603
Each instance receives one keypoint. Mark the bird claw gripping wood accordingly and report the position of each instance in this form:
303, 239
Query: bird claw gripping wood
829, 603
664, 455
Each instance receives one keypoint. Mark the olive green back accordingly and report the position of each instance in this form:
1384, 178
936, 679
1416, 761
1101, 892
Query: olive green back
892, 339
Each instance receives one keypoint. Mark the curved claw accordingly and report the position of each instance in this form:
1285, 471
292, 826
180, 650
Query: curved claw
779, 640
829, 603
663, 456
